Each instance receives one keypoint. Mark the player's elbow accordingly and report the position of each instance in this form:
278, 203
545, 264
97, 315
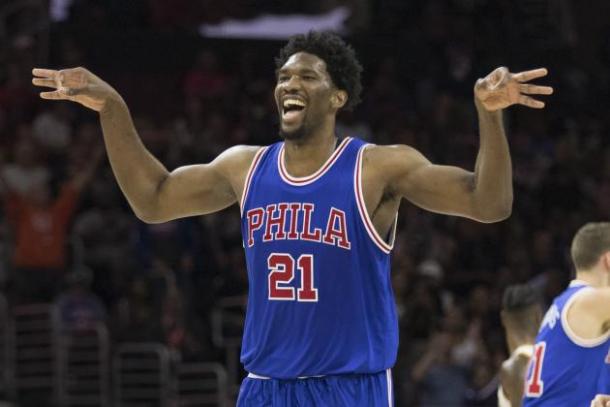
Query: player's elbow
148, 216
496, 212
148, 213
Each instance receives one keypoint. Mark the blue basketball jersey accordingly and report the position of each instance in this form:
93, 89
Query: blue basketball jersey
565, 370
320, 298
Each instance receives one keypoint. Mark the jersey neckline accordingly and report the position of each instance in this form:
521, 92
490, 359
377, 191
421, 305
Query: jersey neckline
578, 283
308, 179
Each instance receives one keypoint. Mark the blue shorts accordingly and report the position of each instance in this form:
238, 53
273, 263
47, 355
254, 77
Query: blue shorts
354, 390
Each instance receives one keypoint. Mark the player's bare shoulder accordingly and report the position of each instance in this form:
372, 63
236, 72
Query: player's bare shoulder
388, 163
235, 162
592, 303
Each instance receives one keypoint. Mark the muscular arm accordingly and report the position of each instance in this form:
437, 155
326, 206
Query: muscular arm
444, 189
486, 194
154, 193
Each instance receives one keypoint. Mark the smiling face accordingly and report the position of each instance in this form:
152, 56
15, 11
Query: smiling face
305, 95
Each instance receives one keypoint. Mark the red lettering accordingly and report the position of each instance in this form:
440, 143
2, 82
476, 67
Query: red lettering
278, 222
255, 221
294, 217
307, 234
336, 229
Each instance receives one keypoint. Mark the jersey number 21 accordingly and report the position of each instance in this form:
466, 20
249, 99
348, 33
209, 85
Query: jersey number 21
534, 387
282, 271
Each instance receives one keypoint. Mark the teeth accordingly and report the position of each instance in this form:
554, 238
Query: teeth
293, 102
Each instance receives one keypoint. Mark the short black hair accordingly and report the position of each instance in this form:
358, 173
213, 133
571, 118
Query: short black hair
340, 58
519, 297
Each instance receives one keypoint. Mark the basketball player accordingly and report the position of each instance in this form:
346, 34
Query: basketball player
318, 215
570, 362
521, 315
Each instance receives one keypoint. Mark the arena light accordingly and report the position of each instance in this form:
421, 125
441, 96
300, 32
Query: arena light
278, 27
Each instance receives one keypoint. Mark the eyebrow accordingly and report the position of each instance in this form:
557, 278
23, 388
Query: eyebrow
299, 70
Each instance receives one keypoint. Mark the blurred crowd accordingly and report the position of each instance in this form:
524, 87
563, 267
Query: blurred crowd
69, 237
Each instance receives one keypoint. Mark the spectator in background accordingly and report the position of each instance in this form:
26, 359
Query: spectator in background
442, 381
16, 97
79, 308
52, 129
106, 233
26, 171
137, 317
206, 79
40, 227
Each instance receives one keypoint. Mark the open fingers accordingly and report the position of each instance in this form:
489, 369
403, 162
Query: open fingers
49, 83
530, 102
45, 73
535, 89
70, 78
55, 95
529, 75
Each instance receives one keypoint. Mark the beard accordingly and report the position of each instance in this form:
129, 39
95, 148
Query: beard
297, 134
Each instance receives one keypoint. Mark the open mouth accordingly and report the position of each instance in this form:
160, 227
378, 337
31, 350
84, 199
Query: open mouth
292, 109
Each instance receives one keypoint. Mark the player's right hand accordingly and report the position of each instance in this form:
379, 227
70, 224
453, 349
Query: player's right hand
75, 84
601, 400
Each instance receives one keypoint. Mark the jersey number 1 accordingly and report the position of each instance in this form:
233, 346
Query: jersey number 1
535, 386
282, 266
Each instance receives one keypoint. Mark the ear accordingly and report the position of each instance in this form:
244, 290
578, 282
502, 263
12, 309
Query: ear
338, 99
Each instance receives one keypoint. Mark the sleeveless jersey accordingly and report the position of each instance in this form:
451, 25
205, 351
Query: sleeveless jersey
565, 370
320, 298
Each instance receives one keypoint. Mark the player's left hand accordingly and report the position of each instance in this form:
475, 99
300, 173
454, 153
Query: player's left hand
501, 89
601, 400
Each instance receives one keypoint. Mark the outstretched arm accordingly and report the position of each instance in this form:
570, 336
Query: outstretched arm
486, 194
155, 194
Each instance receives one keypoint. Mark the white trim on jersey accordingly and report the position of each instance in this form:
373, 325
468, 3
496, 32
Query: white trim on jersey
364, 215
577, 283
301, 181
255, 376
388, 375
253, 165
583, 342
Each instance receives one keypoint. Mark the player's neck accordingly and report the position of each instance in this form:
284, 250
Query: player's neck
593, 278
305, 156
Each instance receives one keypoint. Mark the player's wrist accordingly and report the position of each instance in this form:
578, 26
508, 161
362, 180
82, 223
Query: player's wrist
112, 103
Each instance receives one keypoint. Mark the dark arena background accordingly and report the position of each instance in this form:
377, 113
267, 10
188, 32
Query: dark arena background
100, 309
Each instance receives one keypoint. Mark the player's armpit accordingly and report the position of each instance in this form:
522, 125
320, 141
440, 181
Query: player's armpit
204, 188
438, 188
